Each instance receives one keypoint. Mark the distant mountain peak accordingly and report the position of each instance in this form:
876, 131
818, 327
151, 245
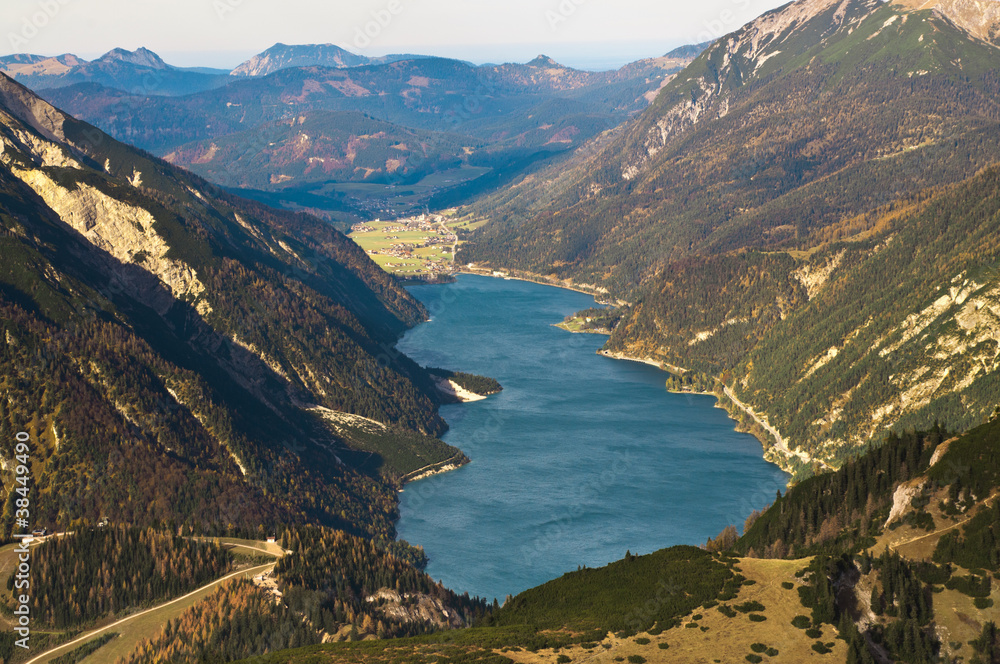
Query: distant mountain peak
688, 51
543, 60
141, 56
20, 64
283, 56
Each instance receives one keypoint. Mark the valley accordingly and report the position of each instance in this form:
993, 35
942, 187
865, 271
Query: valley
420, 247
283, 370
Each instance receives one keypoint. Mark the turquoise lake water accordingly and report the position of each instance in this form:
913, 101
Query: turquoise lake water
579, 459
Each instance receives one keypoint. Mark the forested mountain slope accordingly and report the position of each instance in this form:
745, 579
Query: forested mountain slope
177, 353
759, 191
318, 146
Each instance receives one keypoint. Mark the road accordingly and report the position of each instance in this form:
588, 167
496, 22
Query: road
66, 647
780, 443
893, 546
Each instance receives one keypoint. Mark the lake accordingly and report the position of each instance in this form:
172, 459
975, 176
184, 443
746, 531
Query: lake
578, 460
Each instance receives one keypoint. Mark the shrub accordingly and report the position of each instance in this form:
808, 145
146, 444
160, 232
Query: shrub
787, 585
726, 610
820, 648
982, 602
971, 585
747, 607
802, 622
814, 633
663, 646
756, 659
758, 647
636, 659
562, 659
771, 652
933, 574
756, 617
642, 640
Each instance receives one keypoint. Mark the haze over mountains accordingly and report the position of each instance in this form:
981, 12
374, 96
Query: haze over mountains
133, 71
484, 125
283, 56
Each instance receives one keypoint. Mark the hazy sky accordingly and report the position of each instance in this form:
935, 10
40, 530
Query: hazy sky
222, 33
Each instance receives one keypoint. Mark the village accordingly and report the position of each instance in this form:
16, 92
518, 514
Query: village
418, 247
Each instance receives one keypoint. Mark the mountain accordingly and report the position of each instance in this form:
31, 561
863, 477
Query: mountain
688, 51
180, 355
141, 57
140, 72
979, 19
282, 56
814, 153
494, 123
429, 94
320, 146
25, 64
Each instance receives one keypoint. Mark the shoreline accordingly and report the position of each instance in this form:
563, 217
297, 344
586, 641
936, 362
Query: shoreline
452, 389
542, 281
774, 447
437, 468
778, 446
662, 366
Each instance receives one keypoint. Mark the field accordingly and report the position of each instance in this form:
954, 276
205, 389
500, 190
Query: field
414, 247
709, 636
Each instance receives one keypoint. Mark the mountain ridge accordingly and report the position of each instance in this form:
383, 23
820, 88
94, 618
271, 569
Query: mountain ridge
979, 19
229, 325
724, 208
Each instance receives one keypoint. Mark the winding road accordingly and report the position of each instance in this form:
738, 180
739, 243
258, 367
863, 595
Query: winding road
780, 443
88, 636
